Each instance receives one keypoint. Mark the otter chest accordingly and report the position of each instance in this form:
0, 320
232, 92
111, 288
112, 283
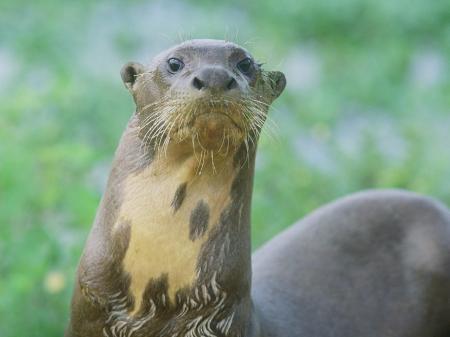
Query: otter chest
170, 218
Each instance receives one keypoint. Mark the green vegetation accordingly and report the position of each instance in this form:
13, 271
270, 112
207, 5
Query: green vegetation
367, 106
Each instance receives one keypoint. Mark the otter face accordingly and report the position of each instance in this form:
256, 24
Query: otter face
206, 93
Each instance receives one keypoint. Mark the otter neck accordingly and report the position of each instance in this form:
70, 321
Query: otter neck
189, 235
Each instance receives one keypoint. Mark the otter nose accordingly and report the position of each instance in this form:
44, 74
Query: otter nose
214, 79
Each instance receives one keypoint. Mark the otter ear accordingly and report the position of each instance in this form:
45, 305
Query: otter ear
277, 82
129, 73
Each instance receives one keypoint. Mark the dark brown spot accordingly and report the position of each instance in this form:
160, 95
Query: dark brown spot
179, 196
198, 223
156, 293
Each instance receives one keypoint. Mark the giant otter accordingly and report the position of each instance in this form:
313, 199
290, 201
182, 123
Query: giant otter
169, 252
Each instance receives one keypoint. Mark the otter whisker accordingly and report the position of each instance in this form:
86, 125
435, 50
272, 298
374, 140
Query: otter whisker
152, 124
199, 159
201, 163
168, 137
228, 144
223, 140
258, 101
247, 157
145, 107
269, 132
161, 105
204, 154
264, 119
193, 146
250, 124
212, 162
200, 143
161, 138
155, 128
262, 122
156, 131
144, 139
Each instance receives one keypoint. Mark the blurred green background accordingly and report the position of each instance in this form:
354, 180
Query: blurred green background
367, 105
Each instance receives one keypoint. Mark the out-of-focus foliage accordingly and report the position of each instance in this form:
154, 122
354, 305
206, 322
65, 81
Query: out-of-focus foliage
367, 105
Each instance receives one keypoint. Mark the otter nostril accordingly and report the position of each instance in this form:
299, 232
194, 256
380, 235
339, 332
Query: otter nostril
232, 84
198, 84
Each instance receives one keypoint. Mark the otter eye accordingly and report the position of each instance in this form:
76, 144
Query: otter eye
175, 65
245, 66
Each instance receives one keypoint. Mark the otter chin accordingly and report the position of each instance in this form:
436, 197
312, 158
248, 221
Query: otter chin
212, 129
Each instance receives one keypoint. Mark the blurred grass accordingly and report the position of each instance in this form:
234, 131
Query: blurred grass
367, 105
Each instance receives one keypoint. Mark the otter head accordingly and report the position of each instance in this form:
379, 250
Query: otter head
208, 95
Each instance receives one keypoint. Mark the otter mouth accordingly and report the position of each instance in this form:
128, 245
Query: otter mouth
218, 115
211, 129
207, 122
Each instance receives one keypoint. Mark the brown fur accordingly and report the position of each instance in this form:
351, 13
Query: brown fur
169, 252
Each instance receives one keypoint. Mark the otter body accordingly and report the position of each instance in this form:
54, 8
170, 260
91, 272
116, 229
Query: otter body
169, 252
373, 264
